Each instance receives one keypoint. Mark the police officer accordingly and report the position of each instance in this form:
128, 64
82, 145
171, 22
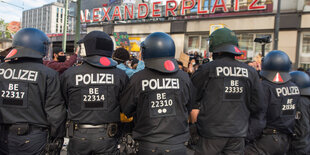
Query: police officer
92, 92
300, 143
31, 106
229, 94
159, 99
281, 96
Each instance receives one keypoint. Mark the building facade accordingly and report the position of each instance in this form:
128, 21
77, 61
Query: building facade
48, 18
190, 28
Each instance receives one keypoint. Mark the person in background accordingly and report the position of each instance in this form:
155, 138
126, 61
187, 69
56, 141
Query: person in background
197, 57
191, 67
206, 60
180, 65
59, 62
121, 55
134, 63
301, 69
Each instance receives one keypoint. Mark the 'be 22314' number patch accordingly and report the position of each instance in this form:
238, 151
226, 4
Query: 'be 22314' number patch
14, 94
162, 104
93, 98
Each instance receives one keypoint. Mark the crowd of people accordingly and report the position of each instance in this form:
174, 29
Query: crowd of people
151, 104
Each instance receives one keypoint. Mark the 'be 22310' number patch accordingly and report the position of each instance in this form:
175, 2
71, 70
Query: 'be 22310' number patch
14, 94
162, 104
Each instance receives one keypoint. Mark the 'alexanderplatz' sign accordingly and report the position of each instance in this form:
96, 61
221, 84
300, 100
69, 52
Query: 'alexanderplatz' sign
144, 10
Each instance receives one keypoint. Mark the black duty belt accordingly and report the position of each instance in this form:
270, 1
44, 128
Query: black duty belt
271, 131
22, 128
90, 126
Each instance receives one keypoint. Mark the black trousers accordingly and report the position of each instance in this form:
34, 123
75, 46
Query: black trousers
146, 148
32, 143
271, 144
91, 142
220, 146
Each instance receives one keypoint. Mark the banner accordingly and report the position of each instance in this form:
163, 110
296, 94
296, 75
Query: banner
121, 38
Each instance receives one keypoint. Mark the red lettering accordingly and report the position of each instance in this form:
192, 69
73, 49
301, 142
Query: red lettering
216, 5
127, 11
82, 16
96, 15
199, 11
171, 10
87, 14
118, 14
236, 8
156, 10
106, 14
187, 7
257, 7
140, 9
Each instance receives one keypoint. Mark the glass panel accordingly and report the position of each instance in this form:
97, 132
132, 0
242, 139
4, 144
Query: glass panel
193, 42
306, 43
204, 46
258, 46
246, 43
305, 66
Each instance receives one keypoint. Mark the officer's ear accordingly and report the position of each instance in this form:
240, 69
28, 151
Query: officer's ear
55, 55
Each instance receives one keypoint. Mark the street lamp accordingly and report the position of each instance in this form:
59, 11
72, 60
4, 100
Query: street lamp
11, 4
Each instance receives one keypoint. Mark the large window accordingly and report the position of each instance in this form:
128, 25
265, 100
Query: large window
197, 43
306, 43
304, 56
200, 44
246, 43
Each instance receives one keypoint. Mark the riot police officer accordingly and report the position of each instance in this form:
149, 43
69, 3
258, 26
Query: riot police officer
31, 106
300, 143
228, 95
159, 99
92, 92
281, 96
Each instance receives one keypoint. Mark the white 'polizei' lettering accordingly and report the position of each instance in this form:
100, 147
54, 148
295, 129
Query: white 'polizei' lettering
19, 74
165, 83
97, 78
232, 71
287, 91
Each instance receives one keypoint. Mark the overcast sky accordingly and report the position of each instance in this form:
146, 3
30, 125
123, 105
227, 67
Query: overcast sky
11, 13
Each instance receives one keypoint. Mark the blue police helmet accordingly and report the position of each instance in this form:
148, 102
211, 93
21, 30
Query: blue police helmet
29, 42
98, 43
302, 80
158, 52
158, 45
276, 67
99, 48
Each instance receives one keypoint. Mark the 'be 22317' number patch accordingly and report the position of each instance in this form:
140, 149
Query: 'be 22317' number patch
14, 94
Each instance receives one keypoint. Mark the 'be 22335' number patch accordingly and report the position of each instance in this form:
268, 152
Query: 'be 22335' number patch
162, 104
14, 94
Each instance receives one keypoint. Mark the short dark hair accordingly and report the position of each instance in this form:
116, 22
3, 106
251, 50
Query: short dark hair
121, 55
56, 50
